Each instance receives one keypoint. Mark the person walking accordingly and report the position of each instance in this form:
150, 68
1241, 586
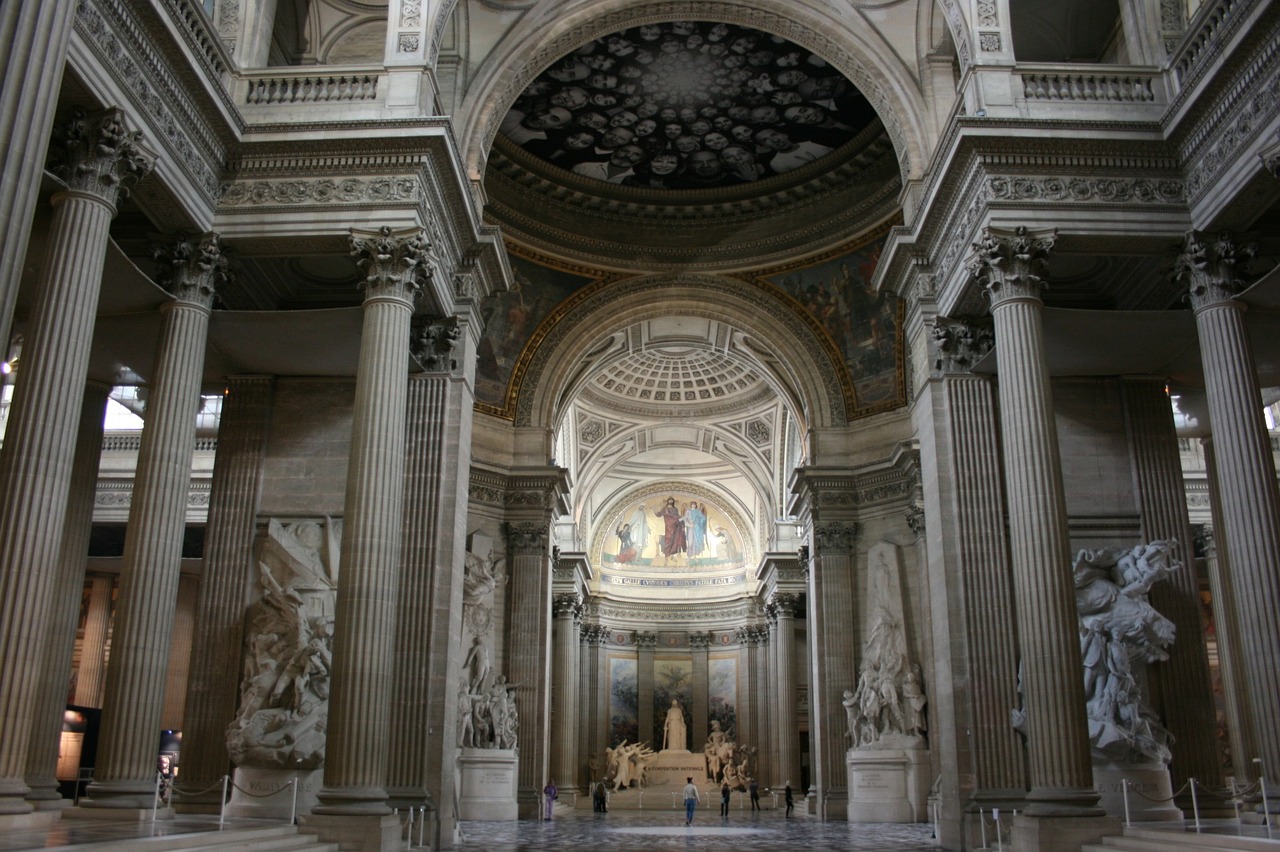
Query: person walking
550, 792
691, 799
755, 794
786, 795
724, 800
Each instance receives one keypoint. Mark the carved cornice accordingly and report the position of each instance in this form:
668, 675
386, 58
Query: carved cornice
1008, 263
1209, 267
822, 493
546, 489
98, 155
192, 268
1061, 188
396, 264
678, 614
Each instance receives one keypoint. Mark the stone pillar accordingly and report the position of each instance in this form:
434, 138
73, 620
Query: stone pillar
699, 643
91, 677
764, 733
528, 655
225, 588
133, 710
35, 467
1181, 686
428, 639
46, 732
968, 557
646, 644
34, 35
834, 637
567, 609
395, 265
745, 734
1246, 481
592, 703
1061, 772
787, 768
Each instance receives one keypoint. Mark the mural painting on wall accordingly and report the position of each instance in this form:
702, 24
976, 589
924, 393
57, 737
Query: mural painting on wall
686, 105
512, 317
672, 680
722, 693
678, 531
835, 289
624, 704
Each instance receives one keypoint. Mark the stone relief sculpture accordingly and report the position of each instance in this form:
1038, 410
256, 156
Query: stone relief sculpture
487, 718
284, 693
886, 710
1120, 633
481, 577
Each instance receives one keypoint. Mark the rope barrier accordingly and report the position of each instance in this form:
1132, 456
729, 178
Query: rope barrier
252, 794
181, 792
1177, 793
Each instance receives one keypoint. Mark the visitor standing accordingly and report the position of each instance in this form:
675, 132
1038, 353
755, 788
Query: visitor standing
691, 799
755, 794
550, 792
791, 803
724, 800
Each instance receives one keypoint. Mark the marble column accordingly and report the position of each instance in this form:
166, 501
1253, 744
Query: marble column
528, 655
46, 732
1246, 481
428, 638
1181, 686
224, 589
646, 644
132, 711
699, 713
99, 155
34, 35
92, 674
592, 702
567, 610
1061, 770
745, 734
760, 652
784, 606
395, 265
834, 637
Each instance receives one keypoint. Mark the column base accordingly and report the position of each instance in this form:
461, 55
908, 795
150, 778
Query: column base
528, 803
120, 795
1061, 834
352, 832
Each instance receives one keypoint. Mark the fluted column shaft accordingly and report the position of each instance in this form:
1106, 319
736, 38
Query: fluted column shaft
833, 636
91, 676
1061, 771
1239, 726
788, 765
586, 688
355, 772
36, 463
983, 567
1246, 478
765, 729
46, 733
528, 655
133, 708
645, 711
34, 35
1181, 686
746, 733
225, 585
564, 712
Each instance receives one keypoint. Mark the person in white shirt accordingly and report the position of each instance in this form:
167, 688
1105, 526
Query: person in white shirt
691, 799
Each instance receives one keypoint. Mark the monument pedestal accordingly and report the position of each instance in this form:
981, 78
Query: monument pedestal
1145, 783
268, 793
664, 782
888, 785
1061, 834
487, 784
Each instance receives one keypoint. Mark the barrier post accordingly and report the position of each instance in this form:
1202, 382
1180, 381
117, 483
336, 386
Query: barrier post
1124, 785
982, 824
1195, 804
155, 799
1266, 809
995, 813
293, 809
222, 808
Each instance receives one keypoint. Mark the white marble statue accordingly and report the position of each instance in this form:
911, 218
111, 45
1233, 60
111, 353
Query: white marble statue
1120, 633
283, 709
674, 733
720, 751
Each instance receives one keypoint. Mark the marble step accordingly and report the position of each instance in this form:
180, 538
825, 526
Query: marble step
1154, 840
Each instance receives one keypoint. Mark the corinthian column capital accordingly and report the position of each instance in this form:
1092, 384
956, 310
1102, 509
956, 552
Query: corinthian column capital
396, 264
1208, 266
191, 268
1009, 263
98, 155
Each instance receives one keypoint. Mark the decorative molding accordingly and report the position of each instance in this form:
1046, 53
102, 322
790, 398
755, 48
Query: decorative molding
1008, 264
1209, 266
989, 42
324, 191
311, 89
678, 614
1085, 189
958, 344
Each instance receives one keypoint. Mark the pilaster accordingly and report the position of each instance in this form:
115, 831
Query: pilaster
646, 644
700, 712
567, 610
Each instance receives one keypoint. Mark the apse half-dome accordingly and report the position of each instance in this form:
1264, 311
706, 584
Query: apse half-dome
686, 105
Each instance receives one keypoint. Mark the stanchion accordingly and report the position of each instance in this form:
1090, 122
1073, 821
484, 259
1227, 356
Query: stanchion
422, 827
293, 809
642, 800
1124, 785
982, 825
1195, 804
1262, 782
222, 806
995, 812
155, 800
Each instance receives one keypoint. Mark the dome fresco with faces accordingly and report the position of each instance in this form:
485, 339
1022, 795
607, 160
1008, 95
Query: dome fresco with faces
686, 105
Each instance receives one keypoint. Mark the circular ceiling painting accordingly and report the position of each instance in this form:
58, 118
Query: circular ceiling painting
686, 105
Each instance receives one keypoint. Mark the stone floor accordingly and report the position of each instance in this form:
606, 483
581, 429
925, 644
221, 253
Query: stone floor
625, 831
